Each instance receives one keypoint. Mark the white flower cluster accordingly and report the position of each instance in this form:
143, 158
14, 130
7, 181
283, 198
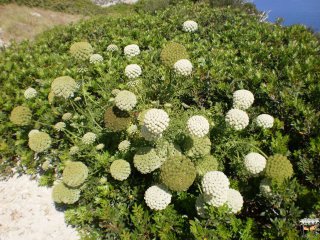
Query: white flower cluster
124, 146
198, 126
67, 116
156, 121
237, 119
59, 126
132, 50
132, 129
64, 87
89, 138
30, 93
157, 197
242, 99
215, 185
100, 146
265, 121
112, 48
74, 150
32, 132
183, 67
190, 26
95, 58
133, 71
125, 100
255, 162
234, 200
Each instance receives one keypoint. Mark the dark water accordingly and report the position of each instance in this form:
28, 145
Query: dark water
305, 12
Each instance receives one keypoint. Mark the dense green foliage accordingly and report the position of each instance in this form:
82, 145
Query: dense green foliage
232, 50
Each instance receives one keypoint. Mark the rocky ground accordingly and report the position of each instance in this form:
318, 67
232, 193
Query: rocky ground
27, 212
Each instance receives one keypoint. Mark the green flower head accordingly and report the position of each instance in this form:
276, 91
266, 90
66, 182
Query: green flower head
64, 87
178, 173
116, 120
63, 194
120, 169
74, 174
207, 164
172, 52
278, 168
21, 116
39, 141
81, 50
196, 148
147, 160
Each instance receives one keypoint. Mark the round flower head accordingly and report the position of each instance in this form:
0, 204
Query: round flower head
30, 93
278, 168
132, 129
146, 160
39, 142
74, 174
234, 200
133, 71
255, 162
63, 194
59, 126
242, 99
45, 165
125, 100
215, 183
190, 26
178, 173
89, 138
120, 169
100, 146
172, 52
112, 48
167, 149
96, 58
116, 120
149, 136
265, 187
198, 126
157, 197
33, 131
183, 67
21, 116
196, 148
207, 164
265, 121
124, 146
216, 200
64, 87
156, 121
74, 150
132, 50
81, 50
237, 119
67, 116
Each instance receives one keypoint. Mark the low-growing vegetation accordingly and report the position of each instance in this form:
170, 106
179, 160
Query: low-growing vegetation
189, 122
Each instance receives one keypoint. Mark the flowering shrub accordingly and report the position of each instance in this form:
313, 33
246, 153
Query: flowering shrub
171, 153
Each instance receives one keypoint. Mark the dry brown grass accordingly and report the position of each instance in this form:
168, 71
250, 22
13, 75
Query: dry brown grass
18, 23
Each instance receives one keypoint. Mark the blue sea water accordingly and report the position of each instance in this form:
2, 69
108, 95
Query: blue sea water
305, 12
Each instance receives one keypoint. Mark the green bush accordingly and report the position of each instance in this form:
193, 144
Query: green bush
232, 50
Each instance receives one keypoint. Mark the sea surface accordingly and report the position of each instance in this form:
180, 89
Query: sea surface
306, 12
